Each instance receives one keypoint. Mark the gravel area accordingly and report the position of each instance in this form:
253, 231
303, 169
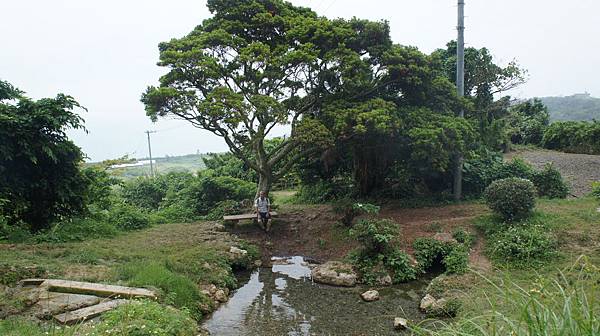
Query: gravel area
579, 170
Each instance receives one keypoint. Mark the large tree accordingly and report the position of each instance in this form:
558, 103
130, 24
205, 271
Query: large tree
40, 179
259, 64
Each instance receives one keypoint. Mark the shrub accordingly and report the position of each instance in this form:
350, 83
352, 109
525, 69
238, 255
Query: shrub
517, 167
127, 217
146, 318
430, 252
205, 192
226, 207
549, 183
375, 235
79, 229
178, 289
511, 198
144, 192
464, 237
522, 245
573, 136
399, 263
596, 189
457, 260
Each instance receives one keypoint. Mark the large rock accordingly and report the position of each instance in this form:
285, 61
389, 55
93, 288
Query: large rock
400, 323
385, 280
370, 295
237, 253
427, 302
335, 273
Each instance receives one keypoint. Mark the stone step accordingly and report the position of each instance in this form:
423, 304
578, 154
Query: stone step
77, 287
87, 313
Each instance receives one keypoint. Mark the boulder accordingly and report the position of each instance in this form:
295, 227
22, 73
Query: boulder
335, 273
400, 323
220, 295
427, 302
370, 295
237, 253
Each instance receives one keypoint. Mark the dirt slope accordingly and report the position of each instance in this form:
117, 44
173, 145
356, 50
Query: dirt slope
579, 170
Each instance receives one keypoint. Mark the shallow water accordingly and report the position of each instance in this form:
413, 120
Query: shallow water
283, 300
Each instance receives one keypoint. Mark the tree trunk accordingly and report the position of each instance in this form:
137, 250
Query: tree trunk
265, 181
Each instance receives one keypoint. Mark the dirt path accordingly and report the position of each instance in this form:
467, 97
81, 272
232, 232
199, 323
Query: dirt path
314, 230
579, 170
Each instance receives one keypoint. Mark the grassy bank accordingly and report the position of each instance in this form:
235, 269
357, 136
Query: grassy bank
176, 260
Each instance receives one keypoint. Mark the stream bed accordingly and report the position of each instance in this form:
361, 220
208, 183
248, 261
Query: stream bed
283, 300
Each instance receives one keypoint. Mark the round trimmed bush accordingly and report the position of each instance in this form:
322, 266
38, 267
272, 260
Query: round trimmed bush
511, 198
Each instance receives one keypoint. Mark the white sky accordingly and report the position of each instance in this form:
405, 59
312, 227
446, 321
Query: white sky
104, 53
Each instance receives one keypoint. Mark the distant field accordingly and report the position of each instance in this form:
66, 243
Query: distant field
186, 163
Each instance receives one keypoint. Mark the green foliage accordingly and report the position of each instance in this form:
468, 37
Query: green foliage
463, 237
457, 260
573, 136
596, 189
322, 191
127, 217
430, 252
450, 309
375, 235
378, 256
205, 192
226, 164
145, 192
146, 318
79, 229
39, 165
100, 184
528, 122
11, 274
549, 183
203, 267
178, 289
511, 198
523, 245
222, 208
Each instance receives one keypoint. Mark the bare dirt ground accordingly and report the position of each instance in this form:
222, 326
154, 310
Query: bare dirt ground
579, 170
314, 230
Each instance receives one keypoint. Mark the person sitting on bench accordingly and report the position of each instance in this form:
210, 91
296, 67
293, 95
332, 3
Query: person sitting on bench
262, 207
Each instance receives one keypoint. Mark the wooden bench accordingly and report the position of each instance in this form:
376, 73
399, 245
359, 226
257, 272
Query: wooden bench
233, 219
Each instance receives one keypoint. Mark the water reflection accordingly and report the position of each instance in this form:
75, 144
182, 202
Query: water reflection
283, 300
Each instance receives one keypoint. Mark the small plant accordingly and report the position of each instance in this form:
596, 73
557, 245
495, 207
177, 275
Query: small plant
549, 183
146, 318
511, 198
399, 263
457, 260
596, 189
463, 237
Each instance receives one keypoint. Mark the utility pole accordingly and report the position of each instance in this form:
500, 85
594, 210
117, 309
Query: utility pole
150, 152
460, 85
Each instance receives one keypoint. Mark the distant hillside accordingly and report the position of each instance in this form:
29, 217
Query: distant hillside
190, 163
576, 107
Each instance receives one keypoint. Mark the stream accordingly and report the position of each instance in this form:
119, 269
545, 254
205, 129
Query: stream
283, 300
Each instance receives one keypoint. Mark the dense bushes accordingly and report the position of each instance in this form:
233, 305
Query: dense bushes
379, 257
596, 189
529, 241
573, 136
482, 169
430, 253
511, 198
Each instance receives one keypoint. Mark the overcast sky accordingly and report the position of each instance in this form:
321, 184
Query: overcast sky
104, 53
